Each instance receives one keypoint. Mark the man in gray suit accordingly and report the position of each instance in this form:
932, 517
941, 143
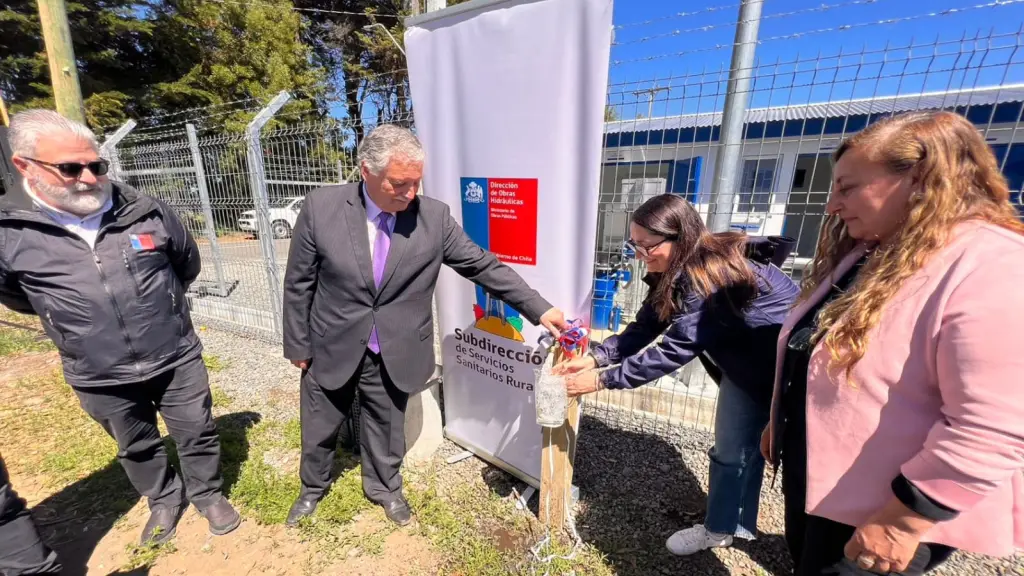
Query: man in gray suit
358, 289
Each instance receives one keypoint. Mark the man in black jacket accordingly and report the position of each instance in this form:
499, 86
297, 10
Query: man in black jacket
106, 269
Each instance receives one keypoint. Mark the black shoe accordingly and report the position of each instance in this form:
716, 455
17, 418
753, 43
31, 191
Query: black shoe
398, 511
161, 524
222, 516
304, 506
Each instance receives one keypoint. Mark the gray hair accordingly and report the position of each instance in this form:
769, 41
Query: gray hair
385, 142
26, 128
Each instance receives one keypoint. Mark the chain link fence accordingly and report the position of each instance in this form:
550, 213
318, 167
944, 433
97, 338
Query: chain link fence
239, 193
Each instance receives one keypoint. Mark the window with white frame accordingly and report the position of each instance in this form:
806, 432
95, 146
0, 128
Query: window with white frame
756, 185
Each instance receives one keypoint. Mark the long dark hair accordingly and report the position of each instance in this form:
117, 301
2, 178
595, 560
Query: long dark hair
707, 264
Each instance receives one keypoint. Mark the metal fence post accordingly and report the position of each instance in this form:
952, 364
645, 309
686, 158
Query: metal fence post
258, 185
728, 168
108, 149
204, 198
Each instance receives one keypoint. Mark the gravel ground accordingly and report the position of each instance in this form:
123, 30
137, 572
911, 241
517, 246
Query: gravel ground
255, 374
639, 481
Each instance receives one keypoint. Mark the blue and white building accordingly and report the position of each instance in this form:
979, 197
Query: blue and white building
786, 162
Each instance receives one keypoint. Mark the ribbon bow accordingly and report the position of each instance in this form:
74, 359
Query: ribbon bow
573, 339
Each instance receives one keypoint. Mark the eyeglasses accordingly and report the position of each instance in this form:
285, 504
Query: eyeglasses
75, 169
643, 251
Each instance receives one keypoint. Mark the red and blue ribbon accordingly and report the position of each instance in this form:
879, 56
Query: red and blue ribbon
573, 340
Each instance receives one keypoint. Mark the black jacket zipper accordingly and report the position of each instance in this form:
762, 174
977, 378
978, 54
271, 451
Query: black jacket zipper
117, 309
131, 273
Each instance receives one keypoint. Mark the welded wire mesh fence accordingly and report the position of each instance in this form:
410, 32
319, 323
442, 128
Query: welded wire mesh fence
661, 136
800, 110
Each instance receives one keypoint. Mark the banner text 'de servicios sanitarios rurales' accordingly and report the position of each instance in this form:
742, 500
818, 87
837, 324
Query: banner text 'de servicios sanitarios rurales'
482, 355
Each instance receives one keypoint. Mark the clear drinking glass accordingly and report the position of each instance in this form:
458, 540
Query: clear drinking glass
550, 397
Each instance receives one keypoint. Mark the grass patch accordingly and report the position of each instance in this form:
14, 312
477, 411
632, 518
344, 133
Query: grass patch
466, 523
215, 363
64, 453
145, 555
221, 399
15, 340
266, 492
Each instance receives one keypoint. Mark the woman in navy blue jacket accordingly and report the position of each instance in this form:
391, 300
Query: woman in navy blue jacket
711, 296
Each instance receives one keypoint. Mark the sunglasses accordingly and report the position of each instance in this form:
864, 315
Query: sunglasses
642, 251
75, 169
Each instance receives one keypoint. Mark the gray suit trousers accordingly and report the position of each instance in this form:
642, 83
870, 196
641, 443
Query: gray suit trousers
381, 432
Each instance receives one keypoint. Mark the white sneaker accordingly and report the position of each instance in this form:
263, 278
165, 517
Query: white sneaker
693, 540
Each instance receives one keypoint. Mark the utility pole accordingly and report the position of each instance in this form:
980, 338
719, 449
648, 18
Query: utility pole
651, 93
53, 19
737, 97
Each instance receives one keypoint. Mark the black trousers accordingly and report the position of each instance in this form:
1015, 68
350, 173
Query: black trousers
381, 430
821, 551
22, 551
817, 545
128, 413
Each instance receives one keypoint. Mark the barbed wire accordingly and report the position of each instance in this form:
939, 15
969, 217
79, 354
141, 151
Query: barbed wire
843, 28
709, 27
186, 111
199, 121
708, 10
719, 74
164, 129
310, 10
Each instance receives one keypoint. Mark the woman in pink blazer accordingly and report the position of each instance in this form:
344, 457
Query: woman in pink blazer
898, 412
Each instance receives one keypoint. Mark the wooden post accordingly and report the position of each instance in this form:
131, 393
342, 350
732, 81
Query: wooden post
3, 111
557, 457
53, 18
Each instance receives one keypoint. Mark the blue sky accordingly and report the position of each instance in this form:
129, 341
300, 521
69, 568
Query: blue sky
808, 68
803, 76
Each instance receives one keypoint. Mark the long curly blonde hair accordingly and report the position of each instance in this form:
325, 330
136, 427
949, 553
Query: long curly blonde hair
956, 178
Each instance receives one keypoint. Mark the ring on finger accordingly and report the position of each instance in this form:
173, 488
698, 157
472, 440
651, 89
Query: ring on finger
865, 562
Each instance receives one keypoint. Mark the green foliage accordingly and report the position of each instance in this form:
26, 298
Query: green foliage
138, 59
112, 42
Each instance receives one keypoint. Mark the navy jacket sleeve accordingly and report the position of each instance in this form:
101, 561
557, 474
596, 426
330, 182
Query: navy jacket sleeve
686, 337
634, 338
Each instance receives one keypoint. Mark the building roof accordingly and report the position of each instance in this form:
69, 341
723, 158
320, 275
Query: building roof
987, 95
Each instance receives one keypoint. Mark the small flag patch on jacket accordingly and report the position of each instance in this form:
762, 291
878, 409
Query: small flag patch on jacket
141, 241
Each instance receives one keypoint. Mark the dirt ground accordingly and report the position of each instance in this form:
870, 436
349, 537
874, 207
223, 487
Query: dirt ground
103, 541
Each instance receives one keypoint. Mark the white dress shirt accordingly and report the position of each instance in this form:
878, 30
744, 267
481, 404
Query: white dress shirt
372, 211
86, 228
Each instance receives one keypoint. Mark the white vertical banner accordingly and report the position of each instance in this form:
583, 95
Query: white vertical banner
509, 100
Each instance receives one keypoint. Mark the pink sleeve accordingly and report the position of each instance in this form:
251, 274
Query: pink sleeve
980, 365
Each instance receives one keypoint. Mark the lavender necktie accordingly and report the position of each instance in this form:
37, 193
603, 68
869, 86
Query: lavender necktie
381, 246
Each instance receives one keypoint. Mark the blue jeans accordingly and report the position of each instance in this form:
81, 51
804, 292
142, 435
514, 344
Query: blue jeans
737, 467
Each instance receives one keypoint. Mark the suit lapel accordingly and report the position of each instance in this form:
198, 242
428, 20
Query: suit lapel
405, 223
355, 217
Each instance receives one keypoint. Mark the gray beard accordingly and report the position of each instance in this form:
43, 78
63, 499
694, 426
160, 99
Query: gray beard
79, 199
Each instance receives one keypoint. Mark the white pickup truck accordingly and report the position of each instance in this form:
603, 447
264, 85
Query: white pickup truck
283, 213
